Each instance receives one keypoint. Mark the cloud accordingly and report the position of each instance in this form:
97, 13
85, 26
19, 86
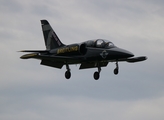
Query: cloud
31, 91
50, 107
11, 6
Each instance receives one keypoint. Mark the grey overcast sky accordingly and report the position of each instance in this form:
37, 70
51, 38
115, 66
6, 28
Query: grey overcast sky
29, 91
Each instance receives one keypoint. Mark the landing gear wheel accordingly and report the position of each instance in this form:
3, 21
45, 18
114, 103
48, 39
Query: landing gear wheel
67, 74
115, 71
96, 75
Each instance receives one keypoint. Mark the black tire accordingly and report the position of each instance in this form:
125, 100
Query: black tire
96, 75
67, 74
115, 71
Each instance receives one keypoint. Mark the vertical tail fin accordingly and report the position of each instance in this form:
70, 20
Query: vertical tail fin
51, 39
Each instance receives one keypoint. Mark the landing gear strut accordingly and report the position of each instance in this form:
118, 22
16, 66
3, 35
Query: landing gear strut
116, 70
68, 72
96, 75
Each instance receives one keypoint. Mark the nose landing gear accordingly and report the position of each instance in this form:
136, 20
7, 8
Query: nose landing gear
116, 70
96, 75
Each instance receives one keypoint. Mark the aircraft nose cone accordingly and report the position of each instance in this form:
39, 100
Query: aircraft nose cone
130, 54
122, 53
127, 53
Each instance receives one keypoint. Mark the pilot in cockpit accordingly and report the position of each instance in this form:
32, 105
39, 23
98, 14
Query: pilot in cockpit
100, 43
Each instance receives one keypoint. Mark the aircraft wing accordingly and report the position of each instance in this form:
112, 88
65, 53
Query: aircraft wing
59, 61
134, 59
62, 58
53, 61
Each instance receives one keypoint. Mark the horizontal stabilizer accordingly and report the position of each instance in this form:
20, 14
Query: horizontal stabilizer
27, 56
136, 59
40, 51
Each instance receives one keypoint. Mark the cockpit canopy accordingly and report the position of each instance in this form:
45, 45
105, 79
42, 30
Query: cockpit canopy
100, 43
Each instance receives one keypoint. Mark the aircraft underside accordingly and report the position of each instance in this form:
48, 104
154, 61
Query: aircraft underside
83, 65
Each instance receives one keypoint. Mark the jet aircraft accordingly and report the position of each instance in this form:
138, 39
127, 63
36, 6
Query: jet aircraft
89, 54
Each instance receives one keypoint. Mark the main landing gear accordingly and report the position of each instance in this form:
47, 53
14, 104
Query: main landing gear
96, 74
68, 72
